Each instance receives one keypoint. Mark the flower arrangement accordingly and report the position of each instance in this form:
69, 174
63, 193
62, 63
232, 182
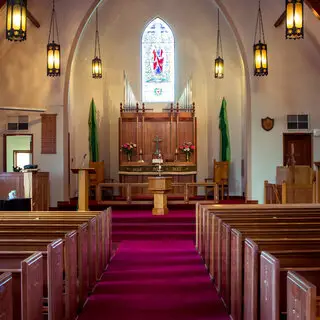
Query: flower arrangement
187, 148
128, 148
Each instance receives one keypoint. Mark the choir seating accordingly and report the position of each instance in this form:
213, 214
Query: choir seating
233, 239
97, 178
74, 247
220, 177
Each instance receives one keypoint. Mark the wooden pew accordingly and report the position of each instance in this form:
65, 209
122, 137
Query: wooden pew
252, 253
302, 298
225, 264
214, 245
202, 214
6, 295
236, 265
103, 228
53, 285
86, 255
273, 279
97, 239
70, 261
27, 283
219, 230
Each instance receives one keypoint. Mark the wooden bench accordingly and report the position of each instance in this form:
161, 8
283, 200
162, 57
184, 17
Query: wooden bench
303, 298
273, 278
236, 265
70, 261
6, 295
203, 209
103, 227
52, 253
252, 266
225, 260
215, 229
207, 213
27, 283
214, 246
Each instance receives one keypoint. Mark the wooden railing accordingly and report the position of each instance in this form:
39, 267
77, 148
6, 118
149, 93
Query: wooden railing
289, 193
127, 191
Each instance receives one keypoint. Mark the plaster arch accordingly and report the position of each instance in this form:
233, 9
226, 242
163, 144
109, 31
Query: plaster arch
246, 93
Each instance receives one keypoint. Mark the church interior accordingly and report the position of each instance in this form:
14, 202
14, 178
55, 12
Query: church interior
159, 159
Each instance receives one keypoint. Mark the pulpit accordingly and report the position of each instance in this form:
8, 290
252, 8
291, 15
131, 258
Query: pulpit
159, 186
83, 187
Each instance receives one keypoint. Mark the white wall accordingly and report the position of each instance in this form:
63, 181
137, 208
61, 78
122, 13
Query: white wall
46, 162
195, 52
292, 84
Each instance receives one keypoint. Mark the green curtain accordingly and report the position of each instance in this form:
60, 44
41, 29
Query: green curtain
225, 147
93, 133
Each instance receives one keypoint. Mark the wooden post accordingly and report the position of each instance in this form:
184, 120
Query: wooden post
284, 193
317, 164
128, 193
186, 191
265, 196
83, 187
216, 192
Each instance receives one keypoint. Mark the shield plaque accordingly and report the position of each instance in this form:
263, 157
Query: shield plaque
267, 123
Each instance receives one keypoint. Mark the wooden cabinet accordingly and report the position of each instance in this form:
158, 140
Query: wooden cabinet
33, 185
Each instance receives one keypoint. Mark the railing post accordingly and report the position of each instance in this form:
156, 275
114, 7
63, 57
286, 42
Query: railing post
216, 192
186, 191
98, 193
284, 193
265, 195
128, 193
317, 164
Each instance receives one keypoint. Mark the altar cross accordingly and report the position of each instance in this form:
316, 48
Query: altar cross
157, 140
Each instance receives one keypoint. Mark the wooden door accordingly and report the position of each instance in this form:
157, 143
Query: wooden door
302, 144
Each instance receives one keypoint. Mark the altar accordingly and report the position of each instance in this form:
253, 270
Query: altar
156, 139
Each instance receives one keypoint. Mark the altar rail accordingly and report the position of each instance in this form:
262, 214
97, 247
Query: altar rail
289, 193
128, 194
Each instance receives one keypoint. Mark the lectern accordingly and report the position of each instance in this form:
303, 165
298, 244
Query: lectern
159, 186
83, 187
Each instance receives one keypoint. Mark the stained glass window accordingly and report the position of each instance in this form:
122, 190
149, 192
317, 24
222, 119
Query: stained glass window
157, 62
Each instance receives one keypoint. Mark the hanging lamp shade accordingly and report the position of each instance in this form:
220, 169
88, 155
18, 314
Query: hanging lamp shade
260, 51
96, 68
53, 56
218, 68
294, 19
16, 20
96, 61
219, 62
53, 47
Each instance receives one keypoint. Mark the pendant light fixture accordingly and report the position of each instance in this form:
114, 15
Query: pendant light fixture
294, 19
219, 62
53, 48
260, 52
16, 20
96, 61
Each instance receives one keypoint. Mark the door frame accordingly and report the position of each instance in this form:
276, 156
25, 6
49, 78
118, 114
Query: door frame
5, 147
284, 134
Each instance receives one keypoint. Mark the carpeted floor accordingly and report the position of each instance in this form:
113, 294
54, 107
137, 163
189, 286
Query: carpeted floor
158, 280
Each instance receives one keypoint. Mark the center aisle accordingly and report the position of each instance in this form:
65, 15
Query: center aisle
158, 280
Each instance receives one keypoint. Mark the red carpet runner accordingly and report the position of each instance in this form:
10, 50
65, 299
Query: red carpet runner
158, 280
